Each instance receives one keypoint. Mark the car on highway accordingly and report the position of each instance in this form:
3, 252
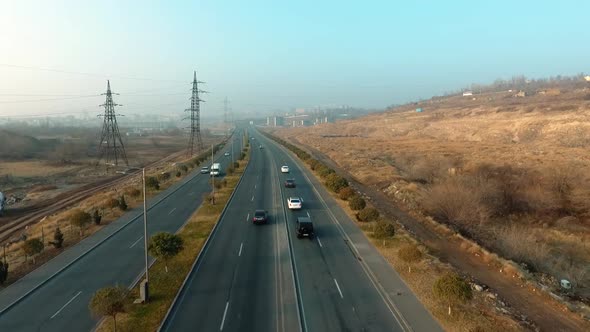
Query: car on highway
260, 217
290, 183
205, 170
284, 169
260, 147
304, 227
294, 203
226, 154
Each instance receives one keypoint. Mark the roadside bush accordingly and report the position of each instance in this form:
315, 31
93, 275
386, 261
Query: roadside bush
182, 168
178, 174
345, 193
96, 217
152, 183
111, 203
164, 176
384, 229
335, 182
80, 219
3, 272
367, 214
58, 239
452, 289
357, 203
409, 253
236, 165
133, 192
324, 171
122, 203
313, 163
32, 248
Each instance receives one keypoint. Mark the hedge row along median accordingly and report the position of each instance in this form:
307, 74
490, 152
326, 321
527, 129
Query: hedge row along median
165, 285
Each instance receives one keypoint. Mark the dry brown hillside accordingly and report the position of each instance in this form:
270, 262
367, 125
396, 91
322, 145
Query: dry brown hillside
509, 172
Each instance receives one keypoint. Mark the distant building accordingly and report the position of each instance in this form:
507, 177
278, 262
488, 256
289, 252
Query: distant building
419, 110
467, 93
274, 121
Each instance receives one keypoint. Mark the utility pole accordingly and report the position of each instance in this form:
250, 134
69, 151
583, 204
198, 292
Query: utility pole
195, 117
144, 287
111, 146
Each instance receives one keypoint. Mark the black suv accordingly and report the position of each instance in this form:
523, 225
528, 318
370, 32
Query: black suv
290, 183
304, 227
260, 216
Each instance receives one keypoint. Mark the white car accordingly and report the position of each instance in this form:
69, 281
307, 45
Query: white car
205, 170
284, 169
294, 203
226, 154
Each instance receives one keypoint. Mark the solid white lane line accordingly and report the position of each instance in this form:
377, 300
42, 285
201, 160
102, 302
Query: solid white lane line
224, 313
338, 286
134, 243
320, 242
65, 305
252, 198
241, 246
254, 186
248, 217
308, 215
169, 213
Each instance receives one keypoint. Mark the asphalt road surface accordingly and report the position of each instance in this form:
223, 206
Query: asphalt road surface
114, 255
263, 278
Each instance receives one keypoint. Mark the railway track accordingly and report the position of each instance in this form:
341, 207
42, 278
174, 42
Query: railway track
50, 206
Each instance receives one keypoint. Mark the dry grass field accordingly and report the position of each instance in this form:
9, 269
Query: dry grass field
509, 173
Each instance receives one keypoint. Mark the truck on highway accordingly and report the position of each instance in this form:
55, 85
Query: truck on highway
215, 169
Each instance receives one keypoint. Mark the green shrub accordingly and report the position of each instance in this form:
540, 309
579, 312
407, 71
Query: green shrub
345, 193
182, 168
409, 253
122, 203
368, 214
383, 229
335, 182
324, 171
357, 203
111, 203
152, 183
96, 217
452, 289
164, 176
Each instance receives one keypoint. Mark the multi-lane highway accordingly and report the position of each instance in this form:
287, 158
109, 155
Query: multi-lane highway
55, 297
263, 278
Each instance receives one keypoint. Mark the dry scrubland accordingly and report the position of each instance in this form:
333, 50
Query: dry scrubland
509, 173
44, 168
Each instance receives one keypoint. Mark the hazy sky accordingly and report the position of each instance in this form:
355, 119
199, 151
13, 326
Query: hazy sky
266, 55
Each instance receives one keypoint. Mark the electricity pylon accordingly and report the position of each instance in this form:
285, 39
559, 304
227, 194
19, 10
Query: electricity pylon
111, 146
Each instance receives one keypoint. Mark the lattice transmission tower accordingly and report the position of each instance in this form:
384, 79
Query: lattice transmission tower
111, 147
195, 117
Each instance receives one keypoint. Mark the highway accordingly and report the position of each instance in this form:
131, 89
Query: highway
112, 256
263, 278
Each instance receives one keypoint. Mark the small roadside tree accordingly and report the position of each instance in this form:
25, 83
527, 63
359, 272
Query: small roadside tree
32, 248
345, 193
335, 182
368, 214
80, 219
3, 272
122, 203
410, 253
109, 301
58, 238
384, 229
452, 289
152, 183
96, 217
357, 203
165, 245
